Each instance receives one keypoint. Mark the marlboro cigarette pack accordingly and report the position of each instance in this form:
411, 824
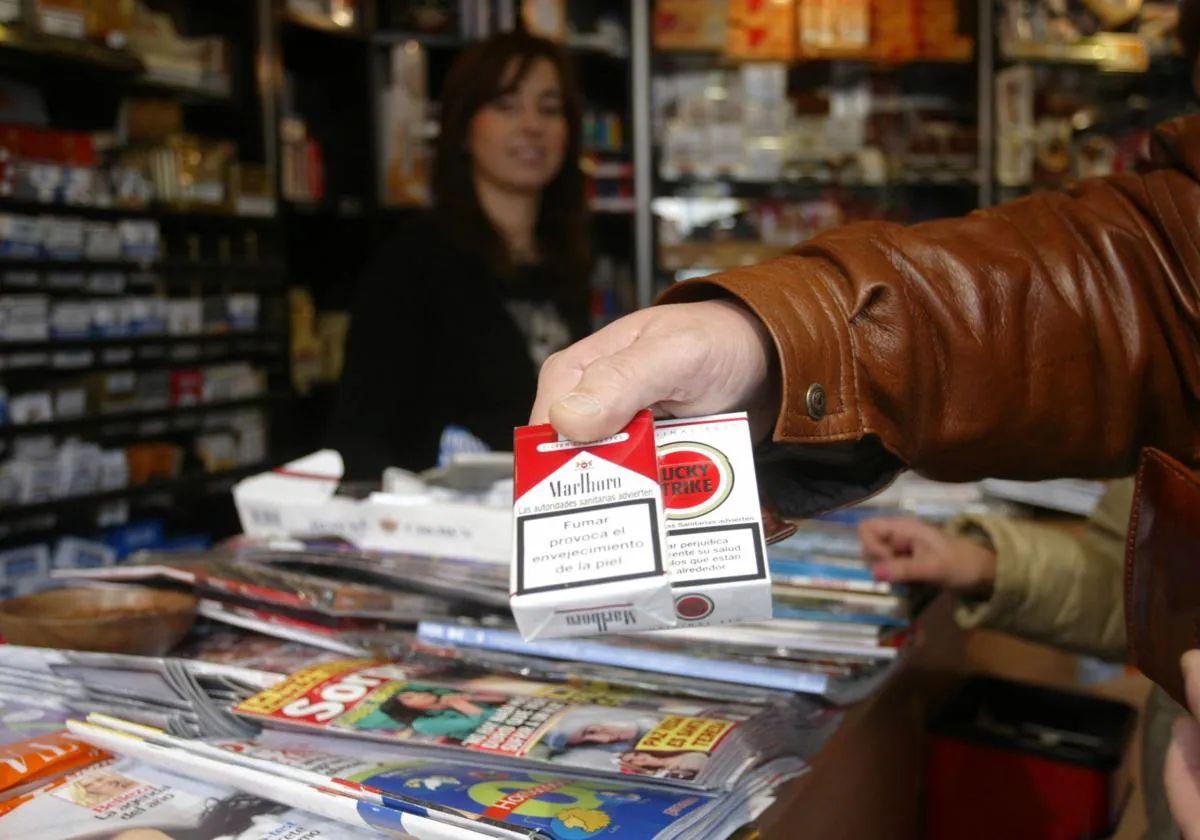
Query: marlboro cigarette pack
716, 553
588, 554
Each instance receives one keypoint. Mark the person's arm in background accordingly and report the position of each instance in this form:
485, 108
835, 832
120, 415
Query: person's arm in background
1037, 581
1052, 336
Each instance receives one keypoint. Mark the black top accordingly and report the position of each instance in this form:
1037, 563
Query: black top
438, 337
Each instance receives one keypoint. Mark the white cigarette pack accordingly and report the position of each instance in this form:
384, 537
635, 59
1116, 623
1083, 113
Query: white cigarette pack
588, 534
716, 552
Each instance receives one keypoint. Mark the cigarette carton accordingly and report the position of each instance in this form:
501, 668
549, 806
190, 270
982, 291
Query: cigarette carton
715, 548
588, 534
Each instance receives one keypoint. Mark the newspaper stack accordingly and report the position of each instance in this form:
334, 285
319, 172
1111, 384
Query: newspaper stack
397, 790
185, 697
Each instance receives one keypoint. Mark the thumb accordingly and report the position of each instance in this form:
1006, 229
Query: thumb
613, 388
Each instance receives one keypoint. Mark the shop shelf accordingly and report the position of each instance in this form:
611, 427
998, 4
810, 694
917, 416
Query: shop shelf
153, 211
323, 24
83, 424
67, 344
425, 39
17, 41
197, 481
726, 187
1112, 52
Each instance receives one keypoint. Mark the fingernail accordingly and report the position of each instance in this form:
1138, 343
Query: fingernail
1190, 662
882, 573
580, 404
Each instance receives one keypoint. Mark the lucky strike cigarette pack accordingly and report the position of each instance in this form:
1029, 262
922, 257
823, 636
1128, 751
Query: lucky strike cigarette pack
716, 552
654, 527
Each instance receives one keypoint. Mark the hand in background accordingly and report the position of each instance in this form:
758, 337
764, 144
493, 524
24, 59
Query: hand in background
907, 550
682, 360
1181, 773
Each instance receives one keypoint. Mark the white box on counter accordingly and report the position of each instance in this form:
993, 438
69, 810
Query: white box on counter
300, 499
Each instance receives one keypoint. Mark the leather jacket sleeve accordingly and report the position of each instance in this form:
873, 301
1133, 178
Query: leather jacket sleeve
1051, 336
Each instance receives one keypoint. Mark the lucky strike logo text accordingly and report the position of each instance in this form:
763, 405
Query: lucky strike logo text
688, 478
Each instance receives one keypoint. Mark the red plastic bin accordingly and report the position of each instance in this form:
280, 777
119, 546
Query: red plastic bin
1008, 760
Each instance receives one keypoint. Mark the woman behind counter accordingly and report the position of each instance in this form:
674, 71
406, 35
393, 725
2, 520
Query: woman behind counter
454, 316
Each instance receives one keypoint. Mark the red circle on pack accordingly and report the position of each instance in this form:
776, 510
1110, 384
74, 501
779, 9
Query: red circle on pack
693, 607
689, 478
695, 479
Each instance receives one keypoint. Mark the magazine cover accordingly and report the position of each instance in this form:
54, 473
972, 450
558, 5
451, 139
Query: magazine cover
123, 799
561, 807
257, 580
494, 802
34, 762
224, 646
361, 698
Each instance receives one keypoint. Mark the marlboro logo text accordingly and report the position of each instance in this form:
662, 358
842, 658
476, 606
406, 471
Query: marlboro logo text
584, 485
602, 619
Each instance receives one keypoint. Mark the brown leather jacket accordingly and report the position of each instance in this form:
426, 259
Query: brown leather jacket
1052, 336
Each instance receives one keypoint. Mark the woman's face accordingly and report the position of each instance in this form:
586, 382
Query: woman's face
418, 699
517, 141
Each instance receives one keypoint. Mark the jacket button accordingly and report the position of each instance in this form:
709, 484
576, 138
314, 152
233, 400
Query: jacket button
815, 401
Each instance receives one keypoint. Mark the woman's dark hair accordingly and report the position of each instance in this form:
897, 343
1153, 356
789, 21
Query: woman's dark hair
477, 78
395, 708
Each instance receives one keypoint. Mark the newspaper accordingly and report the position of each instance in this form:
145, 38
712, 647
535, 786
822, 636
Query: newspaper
509, 722
188, 697
25, 714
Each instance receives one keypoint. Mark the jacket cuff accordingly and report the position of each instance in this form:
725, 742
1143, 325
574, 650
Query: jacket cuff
1011, 587
816, 353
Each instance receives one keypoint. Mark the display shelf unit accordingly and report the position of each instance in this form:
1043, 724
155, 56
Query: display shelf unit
725, 201
207, 249
1113, 65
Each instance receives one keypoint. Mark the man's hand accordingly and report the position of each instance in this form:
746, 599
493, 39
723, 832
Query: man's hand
907, 550
1181, 773
681, 360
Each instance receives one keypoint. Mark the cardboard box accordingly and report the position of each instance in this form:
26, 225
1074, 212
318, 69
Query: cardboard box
762, 30
300, 499
690, 24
